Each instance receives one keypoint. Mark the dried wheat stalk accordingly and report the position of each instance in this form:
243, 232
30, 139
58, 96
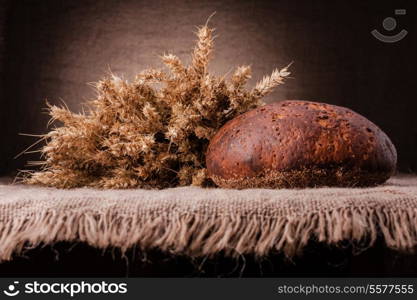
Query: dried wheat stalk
149, 133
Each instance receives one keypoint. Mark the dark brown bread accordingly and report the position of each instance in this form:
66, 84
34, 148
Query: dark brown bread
300, 144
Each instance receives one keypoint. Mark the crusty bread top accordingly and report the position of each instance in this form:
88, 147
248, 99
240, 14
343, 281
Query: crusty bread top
292, 135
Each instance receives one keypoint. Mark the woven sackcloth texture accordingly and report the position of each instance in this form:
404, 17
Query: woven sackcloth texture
198, 222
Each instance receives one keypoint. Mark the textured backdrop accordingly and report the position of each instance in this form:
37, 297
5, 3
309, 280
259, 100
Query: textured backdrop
50, 49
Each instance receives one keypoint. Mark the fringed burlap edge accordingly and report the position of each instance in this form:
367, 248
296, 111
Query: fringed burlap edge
199, 235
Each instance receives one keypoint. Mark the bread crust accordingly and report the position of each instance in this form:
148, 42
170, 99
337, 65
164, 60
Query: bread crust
300, 144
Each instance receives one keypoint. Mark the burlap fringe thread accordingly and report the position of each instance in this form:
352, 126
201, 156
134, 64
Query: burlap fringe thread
199, 235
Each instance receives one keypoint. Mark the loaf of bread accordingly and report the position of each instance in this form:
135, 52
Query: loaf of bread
294, 144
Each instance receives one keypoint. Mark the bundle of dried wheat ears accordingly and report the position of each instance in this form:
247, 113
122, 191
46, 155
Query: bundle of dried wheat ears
152, 132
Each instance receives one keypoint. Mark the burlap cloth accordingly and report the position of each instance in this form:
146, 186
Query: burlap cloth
198, 222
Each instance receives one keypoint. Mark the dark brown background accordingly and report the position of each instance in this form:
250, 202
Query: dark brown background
50, 49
